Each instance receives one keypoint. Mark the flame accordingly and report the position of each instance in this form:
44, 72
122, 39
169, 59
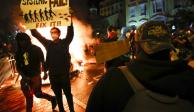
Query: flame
22, 27
82, 38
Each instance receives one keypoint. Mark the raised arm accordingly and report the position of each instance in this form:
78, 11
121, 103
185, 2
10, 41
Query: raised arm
42, 39
70, 34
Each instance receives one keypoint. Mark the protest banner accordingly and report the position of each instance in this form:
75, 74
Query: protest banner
45, 13
110, 50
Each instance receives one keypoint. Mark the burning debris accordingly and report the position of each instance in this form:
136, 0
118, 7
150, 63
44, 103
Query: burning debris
82, 33
82, 38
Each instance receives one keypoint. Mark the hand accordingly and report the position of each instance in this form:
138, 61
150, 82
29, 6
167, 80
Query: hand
71, 11
45, 76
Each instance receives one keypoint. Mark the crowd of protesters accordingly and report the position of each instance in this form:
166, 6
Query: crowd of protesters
182, 49
153, 69
182, 40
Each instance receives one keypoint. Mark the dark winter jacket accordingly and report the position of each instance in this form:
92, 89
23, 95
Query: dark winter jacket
58, 57
28, 61
113, 91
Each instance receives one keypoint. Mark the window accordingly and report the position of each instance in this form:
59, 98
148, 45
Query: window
182, 3
143, 9
158, 6
121, 11
117, 7
132, 0
132, 11
112, 8
177, 3
121, 5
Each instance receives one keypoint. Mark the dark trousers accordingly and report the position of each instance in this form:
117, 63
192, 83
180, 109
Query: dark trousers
33, 87
59, 84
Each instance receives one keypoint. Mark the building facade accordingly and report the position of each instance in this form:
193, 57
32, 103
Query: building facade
140, 11
113, 11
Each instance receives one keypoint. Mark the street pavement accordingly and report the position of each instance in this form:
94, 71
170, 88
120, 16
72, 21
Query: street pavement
12, 99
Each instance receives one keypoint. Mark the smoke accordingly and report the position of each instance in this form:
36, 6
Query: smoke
80, 8
9, 17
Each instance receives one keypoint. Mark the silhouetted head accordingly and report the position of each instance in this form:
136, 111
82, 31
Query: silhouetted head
23, 40
153, 39
55, 33
112, 32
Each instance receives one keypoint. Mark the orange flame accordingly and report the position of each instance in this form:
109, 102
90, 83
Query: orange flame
82, 37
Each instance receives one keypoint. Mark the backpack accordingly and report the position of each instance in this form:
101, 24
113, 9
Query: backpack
145, 100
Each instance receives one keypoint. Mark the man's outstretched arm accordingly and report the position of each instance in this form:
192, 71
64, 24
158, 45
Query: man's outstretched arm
42, 39
70, 34
70, 29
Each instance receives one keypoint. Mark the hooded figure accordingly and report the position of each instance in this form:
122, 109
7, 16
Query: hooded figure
152, 68
28, 60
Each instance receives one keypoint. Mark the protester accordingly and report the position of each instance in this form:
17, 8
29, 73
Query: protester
111, 37
152, 67
192, 41
28, 60
58, 63
182, 43
132, 43
112, 34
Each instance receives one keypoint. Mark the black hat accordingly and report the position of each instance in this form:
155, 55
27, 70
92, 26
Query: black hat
23, 37
153, 37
